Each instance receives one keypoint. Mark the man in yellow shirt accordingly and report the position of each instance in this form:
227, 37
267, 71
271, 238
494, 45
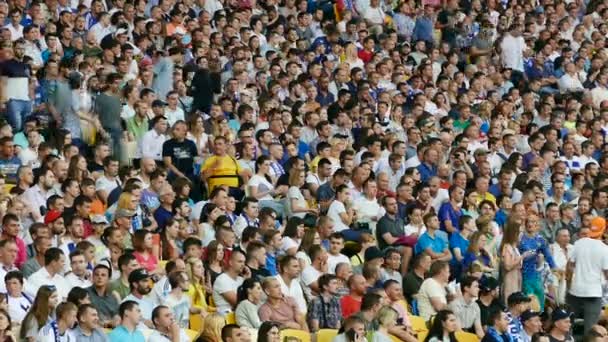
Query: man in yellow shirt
222, 169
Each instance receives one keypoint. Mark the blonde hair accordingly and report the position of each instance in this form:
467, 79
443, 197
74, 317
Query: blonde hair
387, 315
124, 201
189, 269
213, 324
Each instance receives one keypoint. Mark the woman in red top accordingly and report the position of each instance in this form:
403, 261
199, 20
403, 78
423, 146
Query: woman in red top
143, 244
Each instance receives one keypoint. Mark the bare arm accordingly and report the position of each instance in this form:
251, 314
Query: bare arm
169, 165
230, 297
437, 304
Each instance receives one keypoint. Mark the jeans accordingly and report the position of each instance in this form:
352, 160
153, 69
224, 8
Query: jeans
16, 112
588, 307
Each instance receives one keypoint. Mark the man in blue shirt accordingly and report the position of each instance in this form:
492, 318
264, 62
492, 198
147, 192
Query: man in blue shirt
423, 29
517, 302
450, 212
428, 166
130, 315
9, 162
433, 242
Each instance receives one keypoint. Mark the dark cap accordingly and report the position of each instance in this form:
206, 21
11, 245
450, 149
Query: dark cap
488, 284
560, 314
517, 298
373, 253
529, 314
158, 103
138, 274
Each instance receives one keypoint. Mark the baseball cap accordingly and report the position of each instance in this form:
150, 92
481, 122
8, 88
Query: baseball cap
124, 213
598, 226
488, 284
138, 274
560, 314
529, 314
517, 298
52, 216
158, 103
99, 219
373, 253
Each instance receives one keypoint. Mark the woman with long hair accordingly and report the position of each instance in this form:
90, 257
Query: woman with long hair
261, 185
215, 260
296, 203
209, 215
249, 297
143, 244
269, 332
352, 58
168, 240
311, 237
40, 313
387, 319
212, 331
196, 133
292, 235
469, 206
443, 328
477, 253
510, 259
6, 335
78, 168
198, 289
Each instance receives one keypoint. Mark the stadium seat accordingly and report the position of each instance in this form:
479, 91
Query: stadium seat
302, 335
395, 338
418, 323
326, 335
196, 322
422, 335
462, 336
192, 334
230, 318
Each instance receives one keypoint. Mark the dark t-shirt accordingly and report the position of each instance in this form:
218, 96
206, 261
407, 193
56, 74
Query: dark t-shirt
182, 155
94, 167
388, 225
411, 285
486, 310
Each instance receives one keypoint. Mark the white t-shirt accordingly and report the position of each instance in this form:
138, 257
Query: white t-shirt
310, 275
174, 115
295, 291
18, 307
295, 194
263, 185
334, 260
223, 284
158, 337
512, 52
591, 259
106, 184
334, 211
289, 243
430, 289
180, 308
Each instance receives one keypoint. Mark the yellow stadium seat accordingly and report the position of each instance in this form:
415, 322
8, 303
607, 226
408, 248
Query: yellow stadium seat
326, 335
196, 322
422, 335
395, 338
193, 335
302, 335
418, 323
230, 318
462, 336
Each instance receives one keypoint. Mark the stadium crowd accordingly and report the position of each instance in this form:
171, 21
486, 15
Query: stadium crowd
288, 170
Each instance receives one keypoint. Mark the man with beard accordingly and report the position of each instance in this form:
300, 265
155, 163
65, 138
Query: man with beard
37, 195
139, 282
16, 87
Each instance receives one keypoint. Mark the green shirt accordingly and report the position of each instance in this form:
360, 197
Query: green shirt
138, 129
120, 288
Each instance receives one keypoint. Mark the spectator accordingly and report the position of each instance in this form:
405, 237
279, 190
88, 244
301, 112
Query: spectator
432, 296
488, 299
531, 323
561, 326
165, 326
224, 287
60, 328
280, 308
130, 316
54, 263
40, 312
498, 328
466, 309
413, 280
517, 303
325, 311
444, 326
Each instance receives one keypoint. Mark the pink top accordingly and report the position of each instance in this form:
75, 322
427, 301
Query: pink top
150, 263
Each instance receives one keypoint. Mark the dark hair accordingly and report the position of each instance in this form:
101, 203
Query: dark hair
324, 280
125, 306
291, 230
243, 290
369, 301
52, 254
14, 275
227, 331
82, 309
76, 295
156, 312
467, 282
436, 329
124, 260
265, 329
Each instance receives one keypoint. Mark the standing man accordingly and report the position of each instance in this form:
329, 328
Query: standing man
15, 87
109, 106
588, 262
179, 152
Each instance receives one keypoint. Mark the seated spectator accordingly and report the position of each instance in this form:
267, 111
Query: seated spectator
561, 326
51, 273
280, 308
498, 328
289, 278
178, 300
531, 323
212, 328
324, 311
88, 325
40, 313
249, 299
130, 317
415, 277
351, 303
432, 296
165, 326
488, 300
466, 309
59, 329
433, 242
334, 254
139, 283
224, 287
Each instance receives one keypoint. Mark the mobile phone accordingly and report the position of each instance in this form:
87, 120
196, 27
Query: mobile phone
351, 335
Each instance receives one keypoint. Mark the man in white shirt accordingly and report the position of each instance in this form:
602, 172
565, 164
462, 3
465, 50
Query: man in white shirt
432, 296
225, 285
312, 272
14, 26
151, 144
323, 174
109, 181
37, 195
289, 279
249, 217
79, 276
513, 46
367, 207
139, 282
166, 329
173, 112
587, 269
54, 262
8, 255
334, 257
